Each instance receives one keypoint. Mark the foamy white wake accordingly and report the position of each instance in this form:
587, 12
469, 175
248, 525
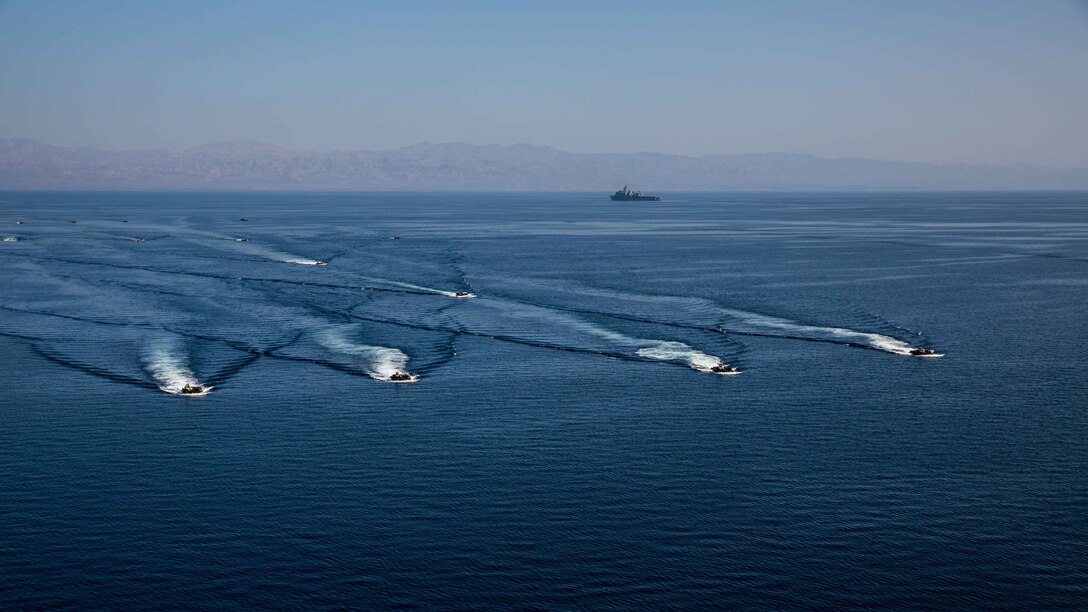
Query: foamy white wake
414, 287
678, 351
275, 255
378, 362
252, 248
754, 320
659, 350
877, 341
168, 363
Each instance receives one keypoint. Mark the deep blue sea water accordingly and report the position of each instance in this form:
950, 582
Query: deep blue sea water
564, 445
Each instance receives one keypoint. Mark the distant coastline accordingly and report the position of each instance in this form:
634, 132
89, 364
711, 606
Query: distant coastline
252, 166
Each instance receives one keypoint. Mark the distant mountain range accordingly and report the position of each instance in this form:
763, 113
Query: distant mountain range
28, 164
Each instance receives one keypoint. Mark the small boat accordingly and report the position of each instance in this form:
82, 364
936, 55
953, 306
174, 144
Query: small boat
243, 219
241, 239
394, 237
10, 239
724, 368
321, 263
399, 376
138, 239
192, 389
464, 294
18, 223
924, 352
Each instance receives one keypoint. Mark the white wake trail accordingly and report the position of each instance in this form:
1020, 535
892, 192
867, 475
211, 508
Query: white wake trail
276, 255
378, 362
757, 321
647, 348
225, 242
167, 362
678, 351
414, 287
877, 341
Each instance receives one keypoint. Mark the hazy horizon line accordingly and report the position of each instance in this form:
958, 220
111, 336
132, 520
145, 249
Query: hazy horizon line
273, 145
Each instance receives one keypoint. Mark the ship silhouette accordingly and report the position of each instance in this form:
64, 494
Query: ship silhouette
630, 195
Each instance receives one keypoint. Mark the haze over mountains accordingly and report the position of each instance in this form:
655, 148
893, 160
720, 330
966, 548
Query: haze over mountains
28, 164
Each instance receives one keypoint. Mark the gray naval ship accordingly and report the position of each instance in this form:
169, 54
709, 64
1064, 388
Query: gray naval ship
629, 195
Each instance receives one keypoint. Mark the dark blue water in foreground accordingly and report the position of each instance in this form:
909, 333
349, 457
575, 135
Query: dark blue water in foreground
565, 444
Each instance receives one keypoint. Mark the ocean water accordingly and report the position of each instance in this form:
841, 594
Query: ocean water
563, 442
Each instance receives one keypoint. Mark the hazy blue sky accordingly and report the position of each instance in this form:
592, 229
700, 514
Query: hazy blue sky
975, 81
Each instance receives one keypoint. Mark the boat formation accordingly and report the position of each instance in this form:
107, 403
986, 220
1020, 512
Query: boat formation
624, 194
631, 195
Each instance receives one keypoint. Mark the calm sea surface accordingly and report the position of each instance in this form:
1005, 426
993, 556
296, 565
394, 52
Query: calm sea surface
564, 442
